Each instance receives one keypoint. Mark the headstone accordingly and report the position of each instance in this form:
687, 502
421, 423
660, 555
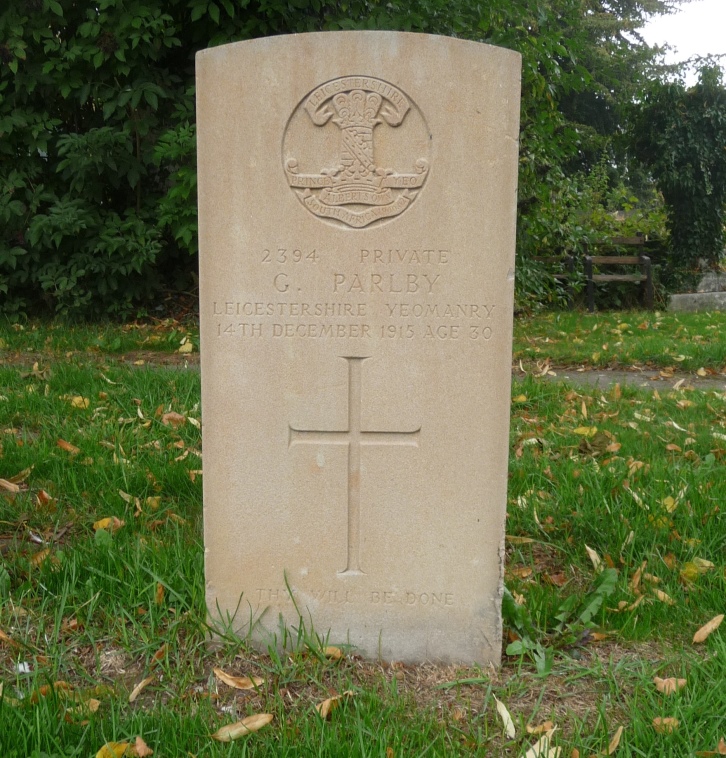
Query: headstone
357, 199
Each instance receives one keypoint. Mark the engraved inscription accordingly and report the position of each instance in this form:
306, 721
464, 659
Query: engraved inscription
405, 598
385, 294
355, 187
354, 437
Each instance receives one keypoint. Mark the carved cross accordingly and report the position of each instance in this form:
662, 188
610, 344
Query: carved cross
355, 438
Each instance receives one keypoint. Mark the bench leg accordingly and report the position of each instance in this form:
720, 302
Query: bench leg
590, 286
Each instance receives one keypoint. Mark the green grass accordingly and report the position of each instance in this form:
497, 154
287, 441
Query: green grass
679, 341
59, 338
104, 609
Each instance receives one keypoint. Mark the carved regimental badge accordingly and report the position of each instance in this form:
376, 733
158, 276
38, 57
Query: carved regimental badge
356, 151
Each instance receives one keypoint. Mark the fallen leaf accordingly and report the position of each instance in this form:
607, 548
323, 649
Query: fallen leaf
521, 572
84, 709
40, 557
8, 640
113, 750
139, 687
159, 595
186, 347
21, 476
635, 581
663, 597
594, 558
720, 750
158, 655
707, 629
558, 579
670, 685
327, 706
703, 565
72, 449
518, 540
9, 486
43, 498
60, 688
238, 682
80, 402
241, 728
110, 524
615, 741
541, 728
542, 749
332, 652
586, 431
141, 749
665, 725
509, 729
173, 419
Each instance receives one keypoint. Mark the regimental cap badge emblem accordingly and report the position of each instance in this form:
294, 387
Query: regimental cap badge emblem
356, 151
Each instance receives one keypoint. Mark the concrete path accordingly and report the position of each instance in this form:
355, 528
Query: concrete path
646, 378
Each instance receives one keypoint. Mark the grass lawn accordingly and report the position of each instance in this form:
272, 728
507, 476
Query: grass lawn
616, 558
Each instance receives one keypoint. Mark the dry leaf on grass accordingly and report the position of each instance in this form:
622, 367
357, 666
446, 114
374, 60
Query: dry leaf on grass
665, 725
542, 749
159, 655
707, 629
333, 653
84, 709
594, 558
635, 581
139, 687
670, 685
68, 447
173, 419
664, 597
239, 729
327, 706
141, 749
615, 741
61, 689
113, 750
720, 750
541, 728
506, 718
4, 639
238, 682
110, 524
9, 486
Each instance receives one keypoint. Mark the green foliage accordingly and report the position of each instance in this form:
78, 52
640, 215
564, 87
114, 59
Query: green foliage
97, 134
679, 134
574, 615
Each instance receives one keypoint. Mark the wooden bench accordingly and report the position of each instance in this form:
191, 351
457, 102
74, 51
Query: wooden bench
644, 277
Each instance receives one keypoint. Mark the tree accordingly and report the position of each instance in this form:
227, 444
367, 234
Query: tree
97, 134
680, 136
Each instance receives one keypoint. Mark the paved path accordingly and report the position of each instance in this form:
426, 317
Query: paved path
646, 378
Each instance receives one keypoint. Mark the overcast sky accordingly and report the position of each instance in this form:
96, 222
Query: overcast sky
699, 28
